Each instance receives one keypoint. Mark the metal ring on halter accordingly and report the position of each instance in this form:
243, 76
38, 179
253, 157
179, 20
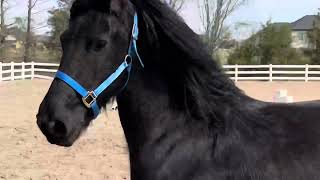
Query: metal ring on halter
128, 59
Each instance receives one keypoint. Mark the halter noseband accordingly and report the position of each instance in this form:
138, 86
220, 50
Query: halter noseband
89, 97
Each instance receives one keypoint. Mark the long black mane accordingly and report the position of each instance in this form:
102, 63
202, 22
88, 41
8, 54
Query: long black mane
193, 72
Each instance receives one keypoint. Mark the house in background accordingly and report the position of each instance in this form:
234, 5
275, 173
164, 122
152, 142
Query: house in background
300, 30
12, 42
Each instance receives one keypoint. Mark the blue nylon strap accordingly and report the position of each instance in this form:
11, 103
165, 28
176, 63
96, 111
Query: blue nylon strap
135, 29
111, 78
95, 108
83, 92
71, 82
132, 53
77, 87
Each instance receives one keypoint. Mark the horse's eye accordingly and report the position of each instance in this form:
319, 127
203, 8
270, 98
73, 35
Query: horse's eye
100, 45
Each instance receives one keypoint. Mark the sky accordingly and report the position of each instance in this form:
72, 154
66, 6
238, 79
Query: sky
254, 13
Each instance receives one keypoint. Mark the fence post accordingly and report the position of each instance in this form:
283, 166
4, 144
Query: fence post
306, 73
22, 70
12, 71
32, 70
236, 73
0, 71
270, 72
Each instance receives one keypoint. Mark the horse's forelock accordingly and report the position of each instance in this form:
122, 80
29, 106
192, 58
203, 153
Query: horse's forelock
81, 7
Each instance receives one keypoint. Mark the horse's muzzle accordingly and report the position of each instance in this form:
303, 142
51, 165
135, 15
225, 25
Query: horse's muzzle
55, 131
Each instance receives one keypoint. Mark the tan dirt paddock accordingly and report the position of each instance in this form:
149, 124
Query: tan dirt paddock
101, 152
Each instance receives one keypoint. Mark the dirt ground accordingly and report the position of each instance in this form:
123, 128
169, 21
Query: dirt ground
101, 152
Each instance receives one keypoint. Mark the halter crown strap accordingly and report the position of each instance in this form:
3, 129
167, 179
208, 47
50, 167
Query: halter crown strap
89, 97
133, 50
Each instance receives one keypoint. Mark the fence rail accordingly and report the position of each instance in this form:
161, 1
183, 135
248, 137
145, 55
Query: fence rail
19, 71
273, 72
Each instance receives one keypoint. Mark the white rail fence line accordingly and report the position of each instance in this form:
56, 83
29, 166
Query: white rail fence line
273, 72
19, 71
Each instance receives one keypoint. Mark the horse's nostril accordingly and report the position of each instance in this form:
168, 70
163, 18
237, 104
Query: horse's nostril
57, 128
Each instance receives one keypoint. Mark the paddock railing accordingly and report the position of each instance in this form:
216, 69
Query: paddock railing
19, 71
273, 72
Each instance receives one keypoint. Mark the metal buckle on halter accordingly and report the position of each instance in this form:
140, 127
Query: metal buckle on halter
89, 99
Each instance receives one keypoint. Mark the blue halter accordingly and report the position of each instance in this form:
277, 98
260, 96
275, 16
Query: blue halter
89, 97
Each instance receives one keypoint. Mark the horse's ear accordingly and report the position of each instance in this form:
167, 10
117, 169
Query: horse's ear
118, 5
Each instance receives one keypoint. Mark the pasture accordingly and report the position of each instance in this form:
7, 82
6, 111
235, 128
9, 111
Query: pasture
101, 152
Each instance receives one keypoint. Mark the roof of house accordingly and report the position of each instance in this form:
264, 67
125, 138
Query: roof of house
304, 23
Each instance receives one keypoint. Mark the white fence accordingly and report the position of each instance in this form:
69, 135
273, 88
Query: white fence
273, 72
18, 71
15, 71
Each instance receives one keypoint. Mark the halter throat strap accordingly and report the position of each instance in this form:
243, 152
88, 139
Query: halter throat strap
89, 98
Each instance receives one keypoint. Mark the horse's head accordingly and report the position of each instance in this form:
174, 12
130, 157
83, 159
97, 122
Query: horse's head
94, 46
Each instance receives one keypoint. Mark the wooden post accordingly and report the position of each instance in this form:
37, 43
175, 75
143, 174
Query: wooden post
23, 71
270, 72
32, 70
306, 73
236, 73
12, 71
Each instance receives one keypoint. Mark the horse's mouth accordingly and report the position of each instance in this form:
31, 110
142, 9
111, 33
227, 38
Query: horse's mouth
63, 143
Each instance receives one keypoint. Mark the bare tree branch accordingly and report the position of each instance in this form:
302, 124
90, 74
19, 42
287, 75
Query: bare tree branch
213, 17
34, 3
177, 5
31, 6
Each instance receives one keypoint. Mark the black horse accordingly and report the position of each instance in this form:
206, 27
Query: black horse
182, 117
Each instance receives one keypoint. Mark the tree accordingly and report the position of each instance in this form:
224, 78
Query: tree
31, 5
58, 21
175, 4
28, 42
247, 53
19, 28
273, 39
271, 45
65, 4
3, 26
213, 15
21, 23
314, 37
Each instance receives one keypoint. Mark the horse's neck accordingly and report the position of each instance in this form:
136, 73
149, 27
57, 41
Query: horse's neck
146, 116
144, 111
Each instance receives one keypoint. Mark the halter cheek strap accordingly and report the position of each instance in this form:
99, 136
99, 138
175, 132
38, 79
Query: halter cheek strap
89, 98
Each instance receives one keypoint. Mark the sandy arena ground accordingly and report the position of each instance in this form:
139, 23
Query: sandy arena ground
99, 154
